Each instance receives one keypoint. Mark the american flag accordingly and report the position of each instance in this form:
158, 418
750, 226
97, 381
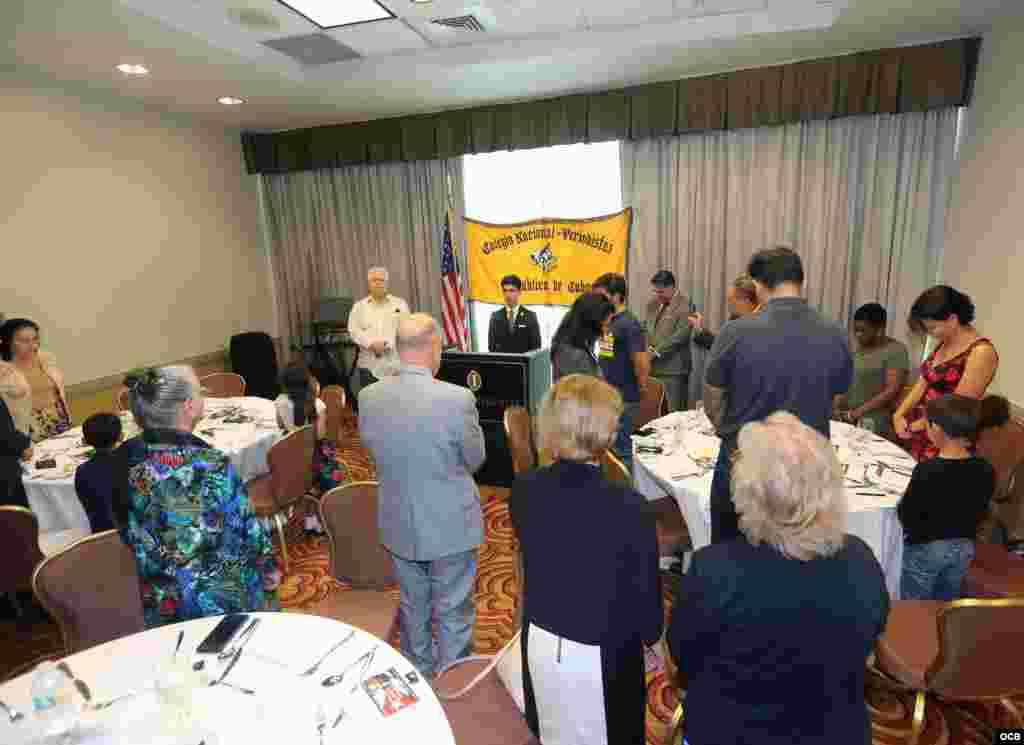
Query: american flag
453, 306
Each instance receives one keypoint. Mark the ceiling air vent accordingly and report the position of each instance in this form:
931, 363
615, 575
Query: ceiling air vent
465, 24
313, 50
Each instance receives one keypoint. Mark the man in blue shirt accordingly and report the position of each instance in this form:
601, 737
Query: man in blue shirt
784, 358
623, 357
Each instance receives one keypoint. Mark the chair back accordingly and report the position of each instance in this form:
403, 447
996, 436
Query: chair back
349, 515
254, 357
614, 469
981, 649
652, 401
520, 441
92, 590
1008, 505
1003, 447
223, 385
19, 548
122, 399
291, 466
333, 397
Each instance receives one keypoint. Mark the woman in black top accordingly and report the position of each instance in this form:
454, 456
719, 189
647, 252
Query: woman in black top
572, 348
592, 592
946, 500
15, 447
772, 629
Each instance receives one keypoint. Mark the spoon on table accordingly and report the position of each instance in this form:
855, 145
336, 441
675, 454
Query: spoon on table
12, 714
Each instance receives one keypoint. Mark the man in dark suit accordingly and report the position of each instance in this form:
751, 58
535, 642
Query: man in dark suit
513, 328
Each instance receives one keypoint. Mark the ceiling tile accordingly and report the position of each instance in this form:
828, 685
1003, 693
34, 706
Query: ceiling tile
628, 12
380, 38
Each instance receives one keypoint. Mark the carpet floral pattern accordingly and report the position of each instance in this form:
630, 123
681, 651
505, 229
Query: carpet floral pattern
497, 596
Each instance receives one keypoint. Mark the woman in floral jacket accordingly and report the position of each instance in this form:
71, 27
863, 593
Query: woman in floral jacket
185, 513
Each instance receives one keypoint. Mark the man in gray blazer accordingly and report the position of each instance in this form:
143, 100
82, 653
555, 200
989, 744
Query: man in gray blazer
425, 437
667, 327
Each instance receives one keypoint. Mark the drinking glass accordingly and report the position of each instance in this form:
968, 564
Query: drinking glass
56, 703
175, 683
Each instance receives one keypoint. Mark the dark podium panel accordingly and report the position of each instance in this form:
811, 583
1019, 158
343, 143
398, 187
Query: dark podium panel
498, 381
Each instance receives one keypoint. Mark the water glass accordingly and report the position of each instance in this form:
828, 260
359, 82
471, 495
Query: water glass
175, 683
56, 703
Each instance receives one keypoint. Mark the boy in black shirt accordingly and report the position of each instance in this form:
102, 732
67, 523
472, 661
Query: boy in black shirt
945, 501
94, 479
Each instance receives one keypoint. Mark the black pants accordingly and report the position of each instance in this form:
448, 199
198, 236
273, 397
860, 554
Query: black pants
724, 521
365, 378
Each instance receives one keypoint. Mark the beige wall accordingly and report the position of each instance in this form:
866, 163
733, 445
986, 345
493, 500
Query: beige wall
985, 233
131, 237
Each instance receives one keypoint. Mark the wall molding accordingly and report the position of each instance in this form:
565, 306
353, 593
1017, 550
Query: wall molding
98, 385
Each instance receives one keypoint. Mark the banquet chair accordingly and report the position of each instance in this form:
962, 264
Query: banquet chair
520, 441
994, 573
92, 590
348, 514
223, 385
19, 551
291, 476
122, 400
487, 714
254, 357
333, 397
965, 650
652, 403
673, 536
614, 469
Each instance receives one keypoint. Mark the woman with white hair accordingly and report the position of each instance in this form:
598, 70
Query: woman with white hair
592, 595
185, 513
773, 628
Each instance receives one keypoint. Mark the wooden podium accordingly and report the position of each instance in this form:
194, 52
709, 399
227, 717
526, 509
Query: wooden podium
498, 381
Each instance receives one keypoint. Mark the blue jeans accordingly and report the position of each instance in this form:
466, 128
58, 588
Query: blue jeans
443, 586
724, 522
623, 446
935, 570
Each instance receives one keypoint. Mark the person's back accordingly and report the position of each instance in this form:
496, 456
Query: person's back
778, 653
597, 585
429, 503
199, 546
785, 358
94, 484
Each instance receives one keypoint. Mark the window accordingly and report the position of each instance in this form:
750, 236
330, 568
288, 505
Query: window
567, 181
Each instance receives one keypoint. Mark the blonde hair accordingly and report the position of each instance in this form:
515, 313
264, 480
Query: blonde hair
787, 486
578, 418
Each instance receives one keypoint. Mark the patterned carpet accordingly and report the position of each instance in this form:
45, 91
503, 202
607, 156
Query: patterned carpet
496, 598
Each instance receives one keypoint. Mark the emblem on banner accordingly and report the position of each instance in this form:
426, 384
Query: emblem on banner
474, 381
545, 259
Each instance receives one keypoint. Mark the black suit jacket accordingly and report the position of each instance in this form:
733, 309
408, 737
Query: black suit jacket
525, 337
12, 444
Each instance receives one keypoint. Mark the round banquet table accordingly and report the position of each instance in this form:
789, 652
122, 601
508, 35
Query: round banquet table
876, 475
51, 492
283, 709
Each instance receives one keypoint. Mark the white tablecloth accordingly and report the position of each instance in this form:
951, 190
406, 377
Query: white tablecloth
283, 709
51, 492
685, 468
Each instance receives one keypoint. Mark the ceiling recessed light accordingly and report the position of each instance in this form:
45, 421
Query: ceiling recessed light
133, 69
421, 2
230, 100
331, 13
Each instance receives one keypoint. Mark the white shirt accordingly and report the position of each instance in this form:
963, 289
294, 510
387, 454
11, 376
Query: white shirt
371, 321
286, 415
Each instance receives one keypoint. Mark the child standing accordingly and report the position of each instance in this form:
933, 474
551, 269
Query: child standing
95, 479
946, 500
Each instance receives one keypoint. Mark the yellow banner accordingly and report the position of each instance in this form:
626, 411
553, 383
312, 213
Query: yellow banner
556, 259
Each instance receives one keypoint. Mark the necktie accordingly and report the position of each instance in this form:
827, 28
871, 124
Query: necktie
511, 319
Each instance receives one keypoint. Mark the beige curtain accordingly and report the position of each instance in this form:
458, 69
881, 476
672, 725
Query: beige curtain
862, 199
327, 227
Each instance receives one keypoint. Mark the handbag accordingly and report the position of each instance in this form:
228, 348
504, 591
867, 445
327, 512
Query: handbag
508, 663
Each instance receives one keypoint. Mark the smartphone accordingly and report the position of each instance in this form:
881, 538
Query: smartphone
46, 463
646, 431
222, 633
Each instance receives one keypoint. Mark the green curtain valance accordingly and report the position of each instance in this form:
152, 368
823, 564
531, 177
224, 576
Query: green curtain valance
887, 81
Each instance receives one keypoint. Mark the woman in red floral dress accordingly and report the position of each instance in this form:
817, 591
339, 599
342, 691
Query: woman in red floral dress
963, 363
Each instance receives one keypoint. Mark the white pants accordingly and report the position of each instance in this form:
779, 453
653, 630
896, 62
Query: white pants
568, 689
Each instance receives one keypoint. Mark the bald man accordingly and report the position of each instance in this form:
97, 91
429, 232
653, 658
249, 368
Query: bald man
425, 437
